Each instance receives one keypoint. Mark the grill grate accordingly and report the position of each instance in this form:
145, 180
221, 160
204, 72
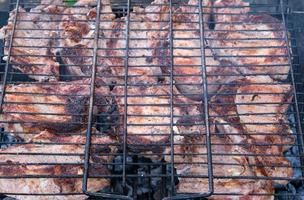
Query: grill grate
163, 100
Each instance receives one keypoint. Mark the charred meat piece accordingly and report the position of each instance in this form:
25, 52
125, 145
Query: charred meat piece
77, 39
57, 106
254, 43
228, 165
62, 156
33, 42
145, 38
251, 113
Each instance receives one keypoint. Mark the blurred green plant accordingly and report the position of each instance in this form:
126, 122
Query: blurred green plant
70, 2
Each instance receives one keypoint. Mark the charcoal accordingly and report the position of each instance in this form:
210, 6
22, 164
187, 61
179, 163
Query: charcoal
118, 167
7, 139
147, 183
300, 192
105, 121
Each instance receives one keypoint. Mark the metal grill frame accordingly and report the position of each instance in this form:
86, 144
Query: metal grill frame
202, 45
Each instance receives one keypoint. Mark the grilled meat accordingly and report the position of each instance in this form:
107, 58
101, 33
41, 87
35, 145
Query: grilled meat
148, 114
255, 43
188, 62
144, 52
55, 156
47, 16
190, 160
228, 12
58, 106
33, 42
188, 69
77, 39
251, 113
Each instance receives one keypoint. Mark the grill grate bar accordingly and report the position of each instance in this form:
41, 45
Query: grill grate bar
167, 175
90, 114
126, 77
7, 64
298, 119
172, 192
205, 93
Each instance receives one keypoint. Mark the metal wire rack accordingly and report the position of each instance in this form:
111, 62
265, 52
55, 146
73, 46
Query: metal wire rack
151, 100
